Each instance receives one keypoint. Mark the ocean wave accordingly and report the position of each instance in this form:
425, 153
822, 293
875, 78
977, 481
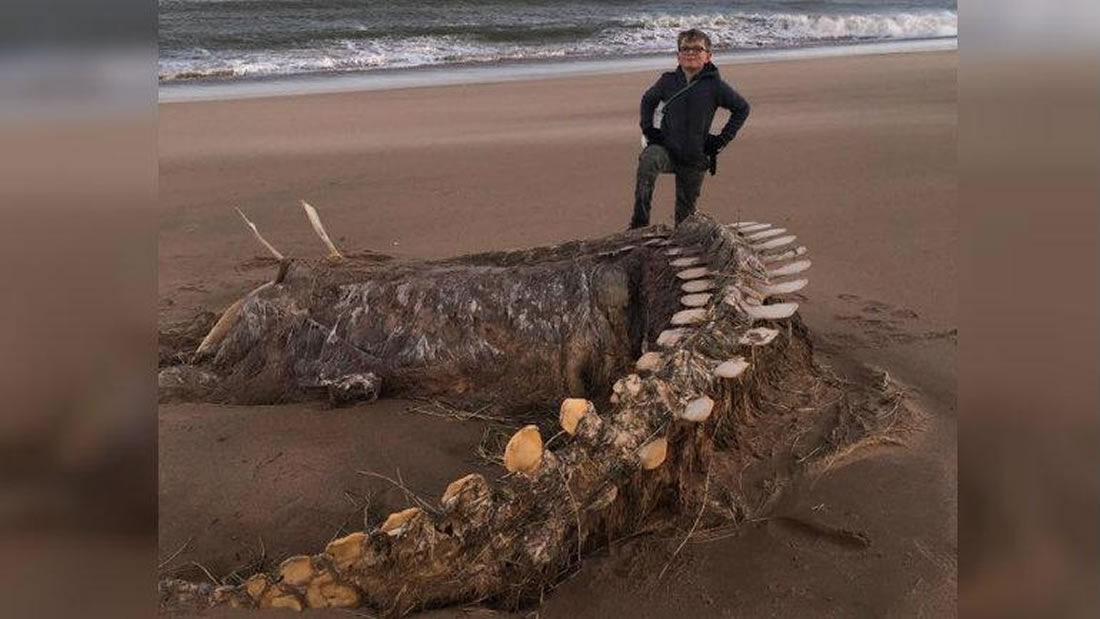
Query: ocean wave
640, 33
753, 30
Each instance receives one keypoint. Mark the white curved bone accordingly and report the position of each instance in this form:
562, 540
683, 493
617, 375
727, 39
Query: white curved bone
670, 337
776, 311
753, 228
767, 234
698, 285
783, 287
695, 300
695, 273
775, 243
684, 262
790, 269
787, 255
689, 317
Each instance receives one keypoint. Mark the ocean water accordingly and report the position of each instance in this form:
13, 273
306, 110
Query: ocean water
242, 39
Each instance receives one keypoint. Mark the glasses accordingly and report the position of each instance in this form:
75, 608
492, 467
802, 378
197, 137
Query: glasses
692, 50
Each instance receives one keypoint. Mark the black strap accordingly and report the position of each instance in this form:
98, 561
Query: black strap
680, 92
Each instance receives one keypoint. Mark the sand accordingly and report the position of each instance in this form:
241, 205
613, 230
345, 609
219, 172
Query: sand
855, 155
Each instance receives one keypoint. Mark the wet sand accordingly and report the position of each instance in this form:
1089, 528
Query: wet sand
854, 155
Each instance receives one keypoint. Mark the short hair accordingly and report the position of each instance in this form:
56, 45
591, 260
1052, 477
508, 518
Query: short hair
693, 34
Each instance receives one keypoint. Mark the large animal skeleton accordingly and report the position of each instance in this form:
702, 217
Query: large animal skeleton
655, 347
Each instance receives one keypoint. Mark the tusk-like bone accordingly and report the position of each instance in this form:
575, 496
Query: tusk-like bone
758, 336
684, 262
732, 368
226, 321
787, 255
670, 337
695, 300
742, 224
695, 273
524, 451
260, 238
651, 242
698, 285
315, 221
784, 287
766, 234
572, 410
775, 243
648, 362
395, 523
652, 454
790, 269
776, 311
698, 410
675, 251
689, 317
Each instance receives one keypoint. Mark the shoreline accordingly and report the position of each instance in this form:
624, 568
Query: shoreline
510, 71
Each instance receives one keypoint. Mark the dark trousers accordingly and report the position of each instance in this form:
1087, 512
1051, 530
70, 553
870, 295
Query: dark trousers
651, 163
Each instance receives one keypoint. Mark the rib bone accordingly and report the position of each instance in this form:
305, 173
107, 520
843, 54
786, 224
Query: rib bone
775, 243
695, 273
776, 311
697, 285
766, 234
689, 317
684, 262
790, 269
787, 255
695, 300
784, 287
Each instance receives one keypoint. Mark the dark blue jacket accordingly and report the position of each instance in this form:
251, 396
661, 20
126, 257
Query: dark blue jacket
686, 120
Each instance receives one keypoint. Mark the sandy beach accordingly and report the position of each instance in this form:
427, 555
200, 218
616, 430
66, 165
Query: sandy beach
855, 155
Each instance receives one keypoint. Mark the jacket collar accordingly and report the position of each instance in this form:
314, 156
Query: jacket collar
709, 70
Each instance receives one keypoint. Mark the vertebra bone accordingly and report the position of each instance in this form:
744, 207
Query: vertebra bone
758, 336
524, 451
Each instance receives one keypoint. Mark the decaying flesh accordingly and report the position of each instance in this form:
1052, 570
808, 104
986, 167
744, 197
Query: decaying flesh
652, 348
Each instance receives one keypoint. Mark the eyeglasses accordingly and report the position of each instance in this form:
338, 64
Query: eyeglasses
691, 51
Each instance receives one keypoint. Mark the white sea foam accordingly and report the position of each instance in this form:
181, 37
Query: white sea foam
637, 34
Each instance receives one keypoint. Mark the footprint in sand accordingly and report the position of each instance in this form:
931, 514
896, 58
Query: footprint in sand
881, 324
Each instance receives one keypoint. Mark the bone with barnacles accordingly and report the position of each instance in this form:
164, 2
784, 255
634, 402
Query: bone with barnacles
503, 538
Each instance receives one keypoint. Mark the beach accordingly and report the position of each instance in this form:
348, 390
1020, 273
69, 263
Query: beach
856, 155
